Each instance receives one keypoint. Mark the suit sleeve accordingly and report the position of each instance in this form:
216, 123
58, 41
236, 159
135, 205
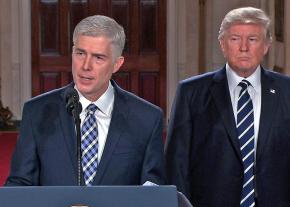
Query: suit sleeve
153, 169
24, 168
177, 147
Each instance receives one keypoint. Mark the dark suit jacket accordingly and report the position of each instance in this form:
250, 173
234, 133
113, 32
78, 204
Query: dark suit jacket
202, 151
46, 149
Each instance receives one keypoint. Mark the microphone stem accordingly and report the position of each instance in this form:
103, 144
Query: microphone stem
79, 152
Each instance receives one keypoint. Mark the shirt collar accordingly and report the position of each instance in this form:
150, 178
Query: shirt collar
104, 103
234, 79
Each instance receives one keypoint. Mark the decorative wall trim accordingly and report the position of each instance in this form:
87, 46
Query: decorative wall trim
279, 20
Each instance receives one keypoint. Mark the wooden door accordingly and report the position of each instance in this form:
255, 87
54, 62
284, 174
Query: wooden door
144, 21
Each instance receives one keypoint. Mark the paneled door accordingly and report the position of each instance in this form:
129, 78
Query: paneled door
144, 21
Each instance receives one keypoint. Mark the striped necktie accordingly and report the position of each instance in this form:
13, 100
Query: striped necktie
245, 128
89, 145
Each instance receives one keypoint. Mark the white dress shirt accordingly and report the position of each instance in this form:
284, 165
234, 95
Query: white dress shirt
254, 91
103, 115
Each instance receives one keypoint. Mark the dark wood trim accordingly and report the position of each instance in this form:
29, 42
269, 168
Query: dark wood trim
35, 45
162, 54
279, 20
202, 37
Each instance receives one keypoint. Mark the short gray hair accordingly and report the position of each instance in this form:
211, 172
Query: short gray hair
246, 15
99, 25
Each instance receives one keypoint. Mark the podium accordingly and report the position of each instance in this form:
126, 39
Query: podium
95, 196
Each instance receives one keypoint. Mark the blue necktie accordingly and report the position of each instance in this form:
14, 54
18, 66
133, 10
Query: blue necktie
245, 128
89, 145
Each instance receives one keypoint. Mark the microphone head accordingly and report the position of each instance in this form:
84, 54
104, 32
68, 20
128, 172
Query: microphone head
71, 93
72, 101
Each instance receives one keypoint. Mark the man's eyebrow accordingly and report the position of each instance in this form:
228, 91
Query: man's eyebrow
98, 55
93, 54
80, 49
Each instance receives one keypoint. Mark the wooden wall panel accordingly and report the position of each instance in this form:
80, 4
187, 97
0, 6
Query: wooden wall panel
148, 26
50, 81
120, 12
144, 21
49, 23
78, 11
123, 80
148, 87
65, 78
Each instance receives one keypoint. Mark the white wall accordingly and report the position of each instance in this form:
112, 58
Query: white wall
15, 54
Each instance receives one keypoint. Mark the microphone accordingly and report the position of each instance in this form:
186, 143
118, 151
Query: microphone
73, 105
74, 108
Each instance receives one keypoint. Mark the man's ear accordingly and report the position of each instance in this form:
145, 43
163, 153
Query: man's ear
266, 47
119, 62
223, 47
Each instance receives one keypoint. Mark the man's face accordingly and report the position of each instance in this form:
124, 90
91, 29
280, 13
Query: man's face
93, 65
244, 46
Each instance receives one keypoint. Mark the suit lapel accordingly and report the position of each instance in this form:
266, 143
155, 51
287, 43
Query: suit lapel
221, 96
269, 101
119, 117
68, 129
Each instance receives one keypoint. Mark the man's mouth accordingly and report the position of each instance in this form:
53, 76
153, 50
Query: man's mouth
86, 77
243, 58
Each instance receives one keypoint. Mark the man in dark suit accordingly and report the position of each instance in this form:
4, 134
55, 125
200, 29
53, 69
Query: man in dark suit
120, 133
229, 133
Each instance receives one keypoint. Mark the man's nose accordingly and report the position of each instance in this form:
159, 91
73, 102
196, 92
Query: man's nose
244, 45
87, 63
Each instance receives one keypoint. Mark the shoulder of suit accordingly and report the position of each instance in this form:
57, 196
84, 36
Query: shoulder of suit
50, 96
278, 76
135, 102
199, 80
